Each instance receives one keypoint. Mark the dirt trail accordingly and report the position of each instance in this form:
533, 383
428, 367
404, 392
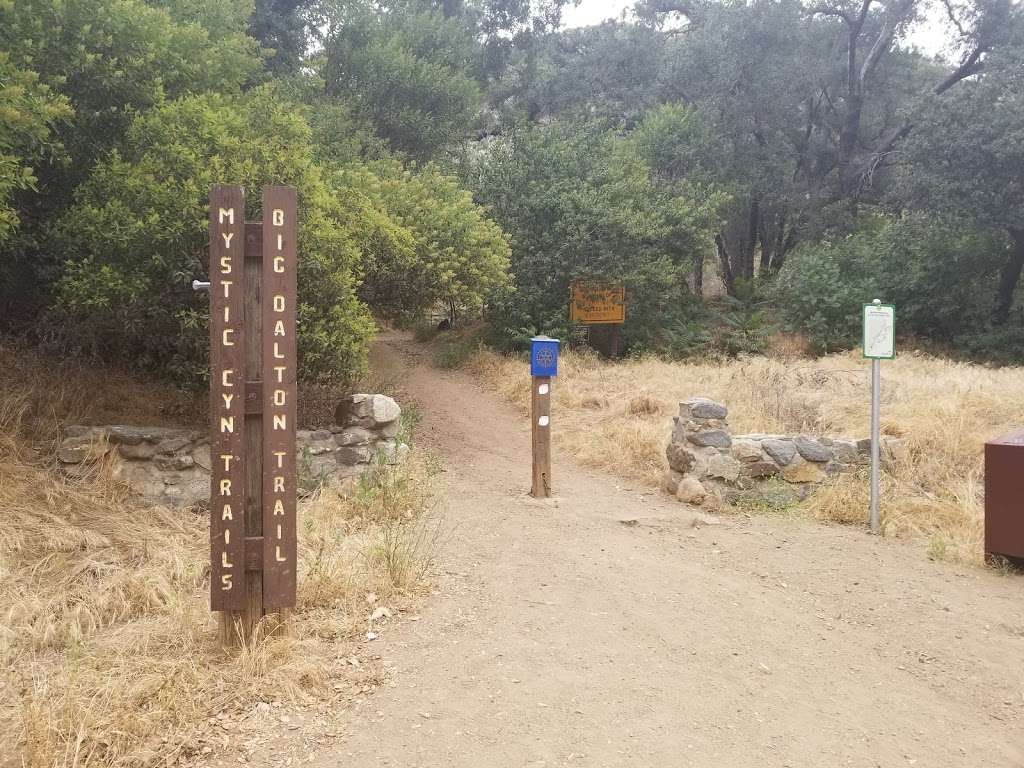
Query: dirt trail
563, 636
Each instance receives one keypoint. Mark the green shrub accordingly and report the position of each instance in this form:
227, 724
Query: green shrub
137, 236
939, 273
455, 353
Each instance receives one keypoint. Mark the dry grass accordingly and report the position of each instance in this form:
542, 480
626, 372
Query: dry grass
617, 416
108, 653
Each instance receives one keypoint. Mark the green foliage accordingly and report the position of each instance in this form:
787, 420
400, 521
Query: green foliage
939, 273
1003, 344
410, 74
137, 234
113, 58
578, 205
440, 248
454, 353
28, 112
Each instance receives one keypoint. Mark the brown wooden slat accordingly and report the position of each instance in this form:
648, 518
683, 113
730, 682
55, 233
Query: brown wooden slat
280, 255
540, 407
253, 398
227, 398
254, 553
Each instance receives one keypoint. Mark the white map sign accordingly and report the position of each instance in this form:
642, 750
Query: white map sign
879, 331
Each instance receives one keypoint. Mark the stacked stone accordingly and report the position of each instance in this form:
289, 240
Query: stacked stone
166, 465
704, 458
171, 466
367, 426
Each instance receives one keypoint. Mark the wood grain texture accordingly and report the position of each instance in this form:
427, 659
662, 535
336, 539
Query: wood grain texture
540, 409
279, 396
227, 399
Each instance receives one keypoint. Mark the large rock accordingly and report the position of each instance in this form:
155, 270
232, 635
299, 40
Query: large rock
760, 469
746, 450
894, 450
81, 448
672, 480
782, 451
724, 467
137, 451
679, 457
354, 454
812, 450
354, 436
802, 471
712, 438
690, 491
845, 451
369, 411
702, 408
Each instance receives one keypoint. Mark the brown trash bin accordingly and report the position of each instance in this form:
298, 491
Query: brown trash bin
1004, 496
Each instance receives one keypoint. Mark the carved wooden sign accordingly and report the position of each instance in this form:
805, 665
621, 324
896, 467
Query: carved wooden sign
253, 402
279, 393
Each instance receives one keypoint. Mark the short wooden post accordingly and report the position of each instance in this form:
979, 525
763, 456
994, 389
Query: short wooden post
540, 410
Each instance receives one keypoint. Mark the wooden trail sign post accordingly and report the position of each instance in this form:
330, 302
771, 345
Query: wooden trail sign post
543, 367
252, 409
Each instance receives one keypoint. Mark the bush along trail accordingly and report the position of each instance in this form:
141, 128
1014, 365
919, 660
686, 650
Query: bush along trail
614, 626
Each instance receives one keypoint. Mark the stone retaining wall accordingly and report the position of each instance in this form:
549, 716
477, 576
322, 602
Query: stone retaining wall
171, 466
705, 459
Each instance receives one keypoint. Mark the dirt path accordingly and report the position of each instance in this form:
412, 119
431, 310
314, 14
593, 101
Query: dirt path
562, 635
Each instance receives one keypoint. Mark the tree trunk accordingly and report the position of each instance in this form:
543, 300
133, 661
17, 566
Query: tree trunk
848, 138
767, 250
750, 240
724, 265
1009, 276
698, 273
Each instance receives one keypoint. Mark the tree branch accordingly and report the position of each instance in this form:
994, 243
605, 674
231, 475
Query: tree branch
972, 65
827, 10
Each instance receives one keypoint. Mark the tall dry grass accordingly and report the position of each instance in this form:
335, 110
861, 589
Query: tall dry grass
617, 417
108, 651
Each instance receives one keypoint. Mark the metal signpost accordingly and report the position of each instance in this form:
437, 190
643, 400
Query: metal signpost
879, 344
543, 367
252, 408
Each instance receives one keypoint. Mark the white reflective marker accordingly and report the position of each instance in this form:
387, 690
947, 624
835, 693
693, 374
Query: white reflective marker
543, 421
543, 389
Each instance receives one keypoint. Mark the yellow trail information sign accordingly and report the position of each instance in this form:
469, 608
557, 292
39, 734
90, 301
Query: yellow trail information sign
597, 304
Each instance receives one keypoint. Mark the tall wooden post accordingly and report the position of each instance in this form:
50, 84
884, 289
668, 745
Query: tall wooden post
228, 442
540, 410
252, 400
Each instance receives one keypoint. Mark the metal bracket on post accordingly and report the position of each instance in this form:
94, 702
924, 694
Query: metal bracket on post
199, 285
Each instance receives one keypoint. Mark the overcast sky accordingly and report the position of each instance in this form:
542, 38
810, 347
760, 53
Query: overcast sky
929, 35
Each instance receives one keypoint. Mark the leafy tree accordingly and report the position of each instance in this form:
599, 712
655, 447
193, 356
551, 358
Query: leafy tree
137, 236
937, 270
448, 251
113, 58
281, 27
410, 74
110, 60
578, 206
966, 154
28, 112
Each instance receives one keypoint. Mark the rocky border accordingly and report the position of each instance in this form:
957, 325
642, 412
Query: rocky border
706, 460
171, 466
